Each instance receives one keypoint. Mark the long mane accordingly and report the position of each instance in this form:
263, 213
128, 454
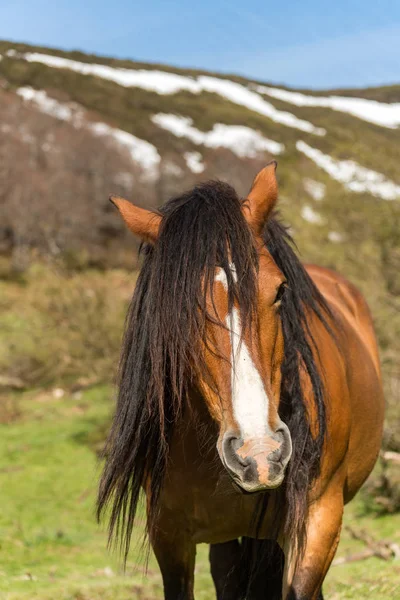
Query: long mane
302, 298
164, 340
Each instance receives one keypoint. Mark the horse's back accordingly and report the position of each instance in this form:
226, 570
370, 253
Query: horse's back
347, 301
363, 409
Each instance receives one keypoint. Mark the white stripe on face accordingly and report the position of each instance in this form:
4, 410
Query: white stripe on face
249, 399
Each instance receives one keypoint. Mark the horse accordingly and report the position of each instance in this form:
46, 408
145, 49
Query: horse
250, 403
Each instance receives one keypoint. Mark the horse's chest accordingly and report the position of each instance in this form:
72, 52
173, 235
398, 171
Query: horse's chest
199, 497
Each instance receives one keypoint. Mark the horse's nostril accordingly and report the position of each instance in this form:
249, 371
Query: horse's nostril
283, 452
231, 445
280, 439
257, 463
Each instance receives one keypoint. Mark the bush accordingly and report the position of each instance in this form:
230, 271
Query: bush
58, 327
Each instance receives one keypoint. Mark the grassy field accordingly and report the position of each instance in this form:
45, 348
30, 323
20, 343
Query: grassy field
50, 544
61, 320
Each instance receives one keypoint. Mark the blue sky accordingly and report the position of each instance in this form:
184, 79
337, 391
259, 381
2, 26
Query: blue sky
309, 43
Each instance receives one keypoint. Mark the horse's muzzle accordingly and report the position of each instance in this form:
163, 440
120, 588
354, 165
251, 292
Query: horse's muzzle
257, 464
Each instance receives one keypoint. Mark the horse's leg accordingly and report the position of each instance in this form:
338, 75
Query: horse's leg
263, 560
226, 570
176, 559
304, 581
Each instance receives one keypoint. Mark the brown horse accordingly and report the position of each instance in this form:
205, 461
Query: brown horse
250, 403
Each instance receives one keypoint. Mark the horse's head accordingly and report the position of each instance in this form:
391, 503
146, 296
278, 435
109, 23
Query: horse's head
254, 444
242, 346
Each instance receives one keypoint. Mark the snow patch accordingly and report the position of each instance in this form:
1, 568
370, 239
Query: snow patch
243, 141
379, 113
239, 94
353, 176
310, 215
335, 237
142, 152
194, 162
315, 189
50, 106
163, 82
160, 82
171, 168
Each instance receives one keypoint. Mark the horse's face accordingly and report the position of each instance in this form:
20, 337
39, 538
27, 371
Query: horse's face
254, 444
243, 382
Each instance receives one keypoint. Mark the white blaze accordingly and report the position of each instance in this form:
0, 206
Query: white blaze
249, 399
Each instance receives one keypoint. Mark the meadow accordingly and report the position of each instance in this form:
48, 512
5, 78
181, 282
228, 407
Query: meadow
51, 545
67, 271
60, 335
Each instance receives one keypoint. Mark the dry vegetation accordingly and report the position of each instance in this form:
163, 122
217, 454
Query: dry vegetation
59, 328
65, 257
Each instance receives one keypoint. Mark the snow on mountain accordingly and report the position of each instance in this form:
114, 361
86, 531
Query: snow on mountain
194, 161
141, 151
353, 176
163, 82
243, 141
379, 113
310, 215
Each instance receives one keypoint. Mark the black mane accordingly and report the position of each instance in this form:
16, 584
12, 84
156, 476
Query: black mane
302, 297
202, 230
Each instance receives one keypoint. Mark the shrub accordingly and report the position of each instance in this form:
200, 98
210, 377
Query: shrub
59, 327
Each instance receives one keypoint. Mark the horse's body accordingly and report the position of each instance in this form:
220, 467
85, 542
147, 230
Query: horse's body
197, 501
208, 509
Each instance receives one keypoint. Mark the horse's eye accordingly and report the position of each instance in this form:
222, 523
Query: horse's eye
280, 292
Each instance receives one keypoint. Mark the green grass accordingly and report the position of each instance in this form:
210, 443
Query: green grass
51, 546
59, 327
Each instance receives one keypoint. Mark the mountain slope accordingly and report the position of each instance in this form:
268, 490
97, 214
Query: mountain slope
75, 127
90, 125
178, 125
129, 95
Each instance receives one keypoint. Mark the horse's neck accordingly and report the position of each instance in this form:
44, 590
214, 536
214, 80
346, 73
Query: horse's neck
195, 432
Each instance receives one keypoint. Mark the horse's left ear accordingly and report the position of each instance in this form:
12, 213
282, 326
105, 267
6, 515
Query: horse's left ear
140, 221
262, 198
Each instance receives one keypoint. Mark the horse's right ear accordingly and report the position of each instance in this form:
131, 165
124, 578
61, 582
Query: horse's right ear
140, 221
261, 198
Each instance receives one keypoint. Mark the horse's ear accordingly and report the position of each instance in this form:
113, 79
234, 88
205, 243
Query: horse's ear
140, 221
261, 198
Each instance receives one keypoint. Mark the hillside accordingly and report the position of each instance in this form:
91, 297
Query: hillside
75, 128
